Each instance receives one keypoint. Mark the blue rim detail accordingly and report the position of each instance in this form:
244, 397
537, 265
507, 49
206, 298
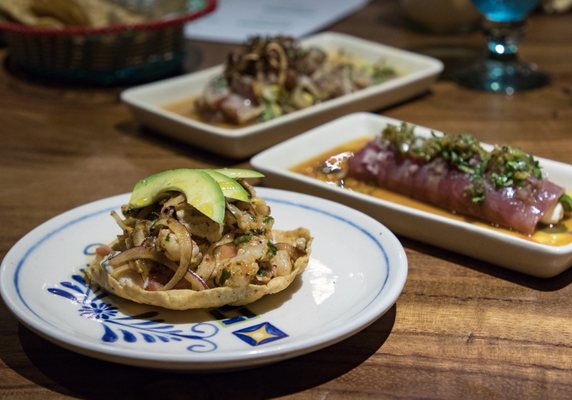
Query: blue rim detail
38, 244
351, 223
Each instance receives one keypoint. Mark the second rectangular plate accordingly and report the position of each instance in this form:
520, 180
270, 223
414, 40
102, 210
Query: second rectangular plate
475, 240
416, 74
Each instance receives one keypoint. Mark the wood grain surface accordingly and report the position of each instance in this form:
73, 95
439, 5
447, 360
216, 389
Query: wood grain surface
462, 329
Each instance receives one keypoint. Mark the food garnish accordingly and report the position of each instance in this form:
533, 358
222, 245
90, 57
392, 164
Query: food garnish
199, 238
272, 76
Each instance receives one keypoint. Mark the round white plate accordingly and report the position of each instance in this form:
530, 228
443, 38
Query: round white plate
356, 272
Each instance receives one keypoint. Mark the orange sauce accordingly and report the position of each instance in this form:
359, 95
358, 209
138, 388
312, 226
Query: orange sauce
559, 235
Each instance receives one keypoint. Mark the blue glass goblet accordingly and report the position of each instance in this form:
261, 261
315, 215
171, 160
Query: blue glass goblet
502, 70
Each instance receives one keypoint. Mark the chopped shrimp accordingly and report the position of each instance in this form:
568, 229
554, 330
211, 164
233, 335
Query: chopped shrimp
240, 273
200, 225
227, 251
140, 232
167, 240
293, 252
206, 268
243, 267
245, 221
260, 207
282, 262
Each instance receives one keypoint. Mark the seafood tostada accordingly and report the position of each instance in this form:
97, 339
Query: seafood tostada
199, 239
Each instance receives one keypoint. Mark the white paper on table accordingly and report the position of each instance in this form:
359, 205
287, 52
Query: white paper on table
237, 20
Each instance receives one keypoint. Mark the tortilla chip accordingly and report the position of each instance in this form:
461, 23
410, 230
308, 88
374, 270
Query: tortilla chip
66, 13
20, 11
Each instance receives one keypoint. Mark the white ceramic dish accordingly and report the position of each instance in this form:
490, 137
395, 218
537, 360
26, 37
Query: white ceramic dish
348, 285
417, 73
463, 237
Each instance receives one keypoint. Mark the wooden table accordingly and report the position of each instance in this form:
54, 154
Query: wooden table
462, 329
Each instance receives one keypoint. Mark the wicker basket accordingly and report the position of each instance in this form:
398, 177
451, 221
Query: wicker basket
116, 55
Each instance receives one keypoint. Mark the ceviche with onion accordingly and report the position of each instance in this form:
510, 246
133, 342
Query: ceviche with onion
171, 254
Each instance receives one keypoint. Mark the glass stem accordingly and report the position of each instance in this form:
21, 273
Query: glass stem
503, 39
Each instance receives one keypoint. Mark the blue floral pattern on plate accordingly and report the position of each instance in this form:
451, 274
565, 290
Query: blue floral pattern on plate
132, 328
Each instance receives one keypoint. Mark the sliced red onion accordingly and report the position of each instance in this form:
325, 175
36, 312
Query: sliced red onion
197, 283
185, 252
134, 253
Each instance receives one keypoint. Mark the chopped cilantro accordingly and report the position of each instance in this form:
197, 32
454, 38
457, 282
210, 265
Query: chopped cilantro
382, 73
242, 239
272, 249
566, 202
511, 167
224, 276
270, 110
502, 167
220, 82
129, 212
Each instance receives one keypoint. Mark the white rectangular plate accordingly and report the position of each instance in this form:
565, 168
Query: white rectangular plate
463, 237
416, 74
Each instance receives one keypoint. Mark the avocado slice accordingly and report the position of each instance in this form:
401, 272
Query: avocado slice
237, 173
230, 187
201, 190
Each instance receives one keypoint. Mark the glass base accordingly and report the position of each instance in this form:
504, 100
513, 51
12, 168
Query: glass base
502, 76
